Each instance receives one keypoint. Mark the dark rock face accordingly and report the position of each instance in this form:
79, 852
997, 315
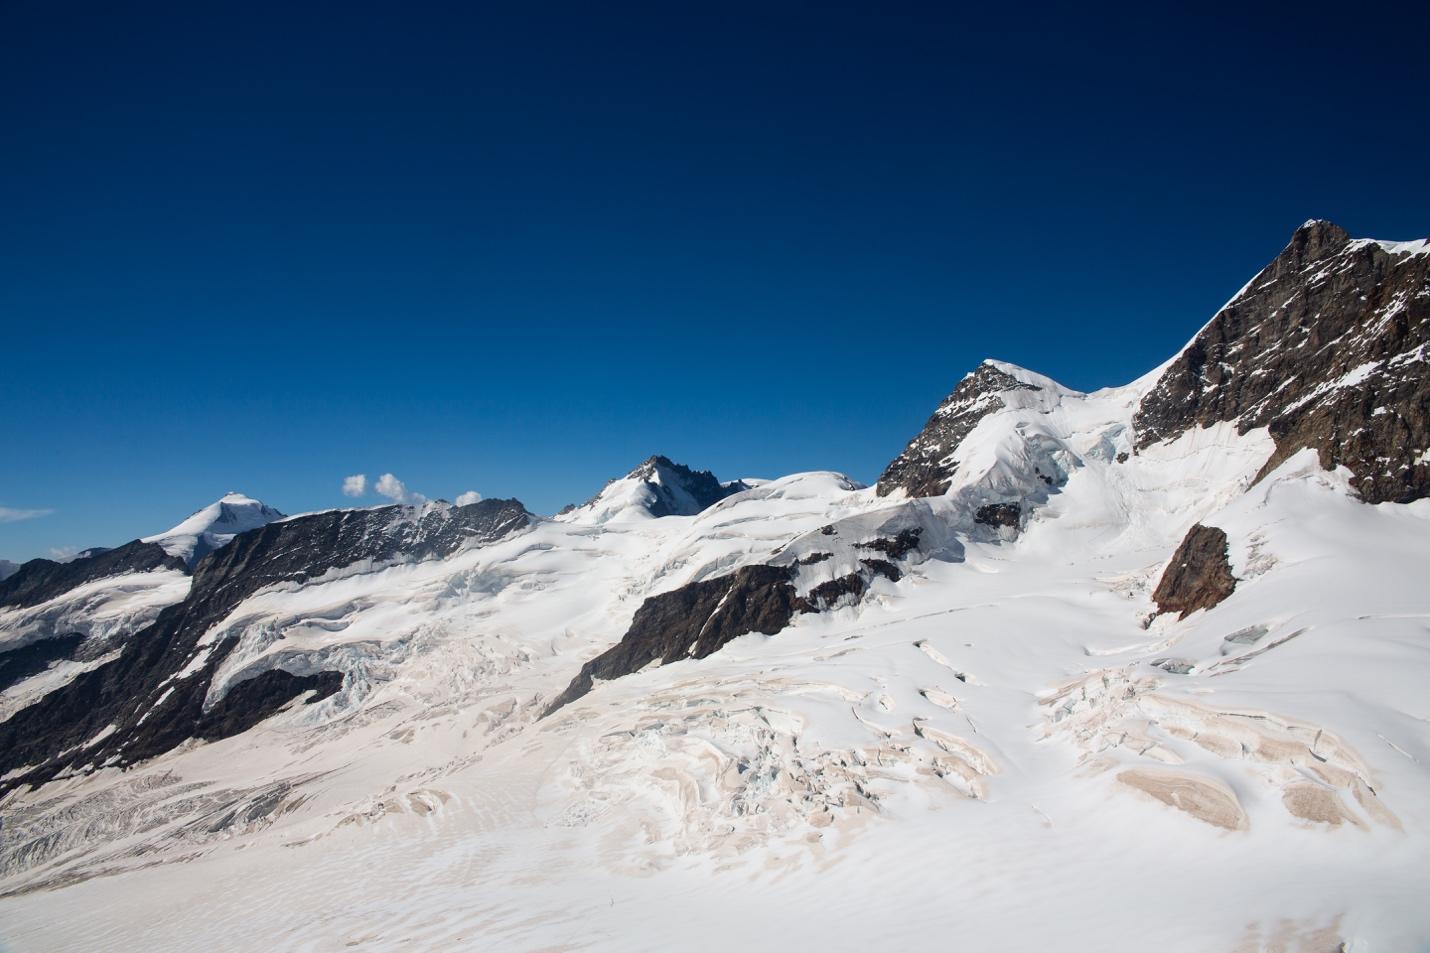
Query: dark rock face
850, 585
1199, 575
1326, 347
693, 621
20, 663
153, 712
253, 700
923, 468
897, 546
40, 580
999, 514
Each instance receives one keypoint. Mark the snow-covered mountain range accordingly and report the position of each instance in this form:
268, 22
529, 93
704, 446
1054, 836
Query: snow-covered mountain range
1150, 662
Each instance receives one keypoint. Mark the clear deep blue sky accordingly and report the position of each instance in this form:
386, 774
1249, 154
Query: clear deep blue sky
517, 248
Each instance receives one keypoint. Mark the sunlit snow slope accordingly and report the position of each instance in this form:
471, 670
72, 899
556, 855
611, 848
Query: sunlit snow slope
943, 712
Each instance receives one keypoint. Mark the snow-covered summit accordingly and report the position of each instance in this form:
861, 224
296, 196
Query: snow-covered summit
657, 487
214, 525
927, 464
1021, 375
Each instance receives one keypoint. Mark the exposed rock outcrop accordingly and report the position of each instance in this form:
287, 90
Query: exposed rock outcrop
1328, 347
999, 514
694, 621
20, 662
897, 546
850, 586
251, 701
700, 617
1199, 575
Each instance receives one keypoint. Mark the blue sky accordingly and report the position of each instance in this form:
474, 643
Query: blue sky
262, 248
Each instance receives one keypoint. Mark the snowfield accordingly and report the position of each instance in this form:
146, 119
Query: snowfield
1002, 750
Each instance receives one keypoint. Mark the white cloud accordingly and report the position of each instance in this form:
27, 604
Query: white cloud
468, 498
63, 554
11, 515
355, 485
395, 490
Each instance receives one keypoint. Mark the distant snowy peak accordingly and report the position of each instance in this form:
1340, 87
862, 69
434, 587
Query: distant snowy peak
1327, 347
178, 549
214, 526
658, 487
7, 569
679, 490
926, 466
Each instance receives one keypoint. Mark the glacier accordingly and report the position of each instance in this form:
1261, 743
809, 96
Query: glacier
996, 740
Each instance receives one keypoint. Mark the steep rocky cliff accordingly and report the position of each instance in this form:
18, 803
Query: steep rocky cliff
1326, 347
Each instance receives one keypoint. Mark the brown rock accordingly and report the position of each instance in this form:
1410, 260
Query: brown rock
1199, 575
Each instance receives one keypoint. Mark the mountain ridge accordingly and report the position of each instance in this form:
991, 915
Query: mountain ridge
1180, 618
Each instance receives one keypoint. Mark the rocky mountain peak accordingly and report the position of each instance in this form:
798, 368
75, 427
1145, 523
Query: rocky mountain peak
651, 467
926, 466
1314, 240
658, 487
1327, 348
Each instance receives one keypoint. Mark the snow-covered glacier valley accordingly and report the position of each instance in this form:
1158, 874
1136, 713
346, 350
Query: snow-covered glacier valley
1049, 683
